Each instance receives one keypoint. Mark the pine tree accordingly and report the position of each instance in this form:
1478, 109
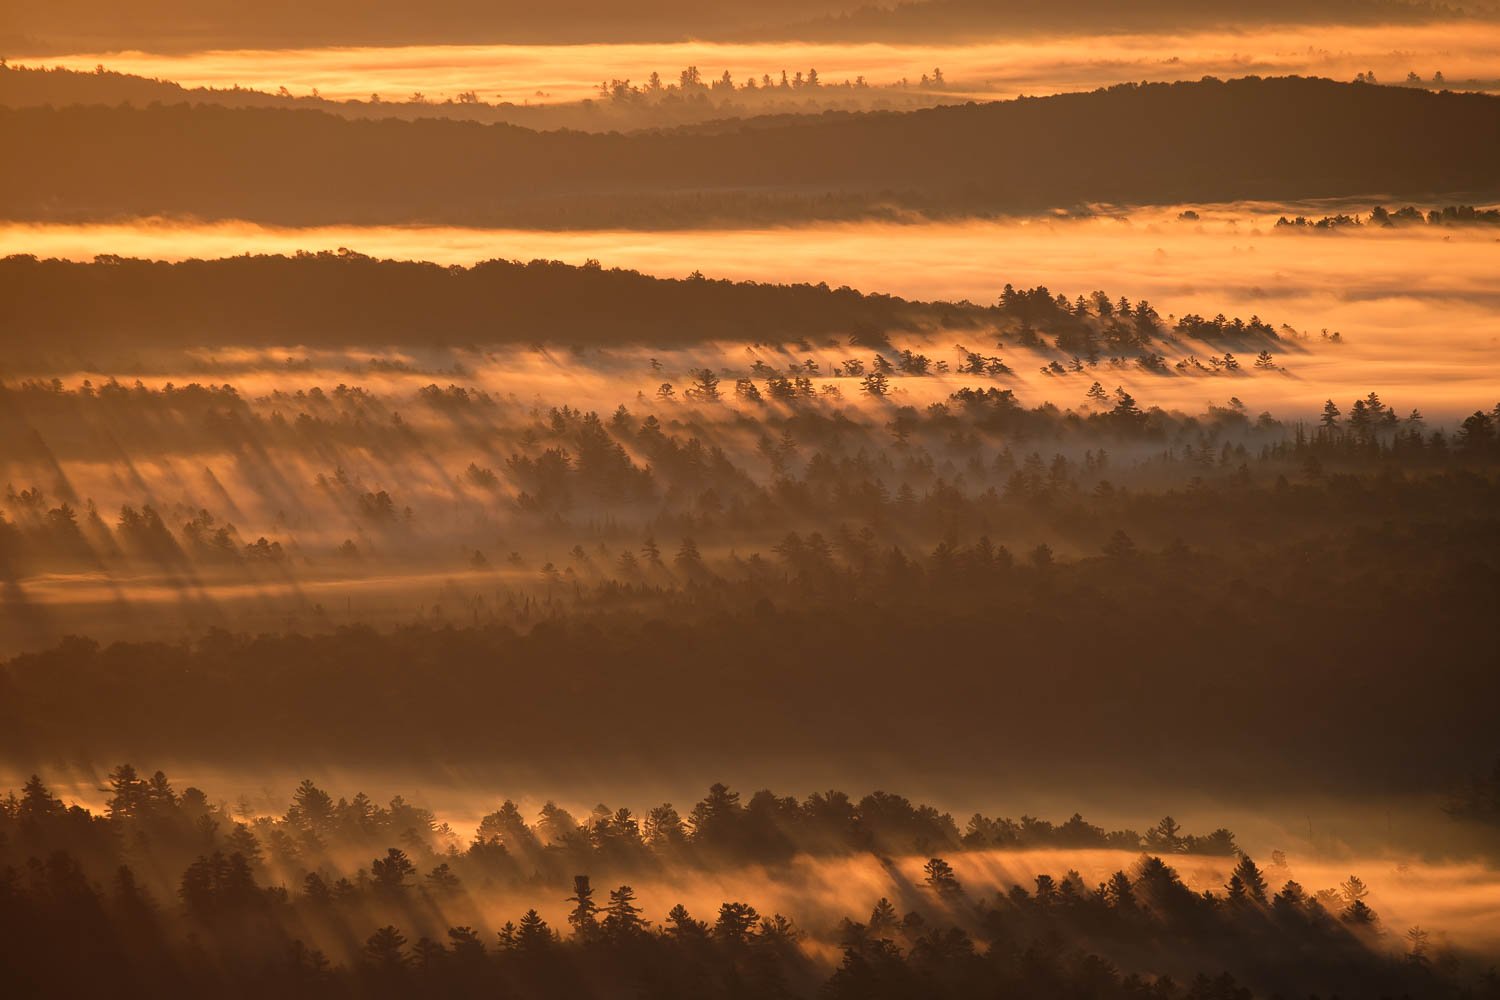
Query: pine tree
383, 949
584, 917
883, 918
1331, 414
682, 926
622, 917
533, 935
940, 878
1251, 878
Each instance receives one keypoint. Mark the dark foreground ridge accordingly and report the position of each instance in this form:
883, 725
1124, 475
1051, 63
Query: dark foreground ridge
1276, 139
163, 893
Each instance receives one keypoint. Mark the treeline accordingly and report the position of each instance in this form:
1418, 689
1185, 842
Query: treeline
107, 901
719, 831
1205, 141
347, 298
819, 489
699, 656
685, 99
1408, 215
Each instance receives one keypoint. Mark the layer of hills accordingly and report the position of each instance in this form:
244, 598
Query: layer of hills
1271, 139
685, 98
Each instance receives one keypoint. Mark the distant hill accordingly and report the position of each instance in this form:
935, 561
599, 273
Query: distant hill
1274, 139
33, 86
349, 298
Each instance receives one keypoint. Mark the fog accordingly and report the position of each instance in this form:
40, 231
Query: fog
1415, 307
1410, 885
1463, 53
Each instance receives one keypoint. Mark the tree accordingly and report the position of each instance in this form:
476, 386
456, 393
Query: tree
391, 872
442, 881
883, 918
428, 955
687, 557
736, 923
1477, 432
37, 803
311, 808
465, 944
716, 819
1356, 910
1126, 409
384, 950
940, 878
1165, 836
1331, 414
1416, 939
876, 383
664, 828
705, 385
315, 889
1119, 892
534, 935
127, 793
1251, 878
622, 917
583, 918
682, 926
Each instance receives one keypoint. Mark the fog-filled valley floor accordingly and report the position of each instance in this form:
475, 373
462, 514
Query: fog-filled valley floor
949, 499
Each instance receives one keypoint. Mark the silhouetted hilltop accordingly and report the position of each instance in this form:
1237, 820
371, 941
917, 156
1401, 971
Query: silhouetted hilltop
1274, 139
350, 298
684, 97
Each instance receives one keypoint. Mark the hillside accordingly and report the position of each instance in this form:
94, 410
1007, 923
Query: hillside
1272, 139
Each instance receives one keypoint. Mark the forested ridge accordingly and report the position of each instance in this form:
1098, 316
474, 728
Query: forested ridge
162, 890
349, 298
1282, 138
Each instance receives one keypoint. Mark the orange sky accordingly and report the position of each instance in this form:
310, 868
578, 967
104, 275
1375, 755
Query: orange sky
548, 73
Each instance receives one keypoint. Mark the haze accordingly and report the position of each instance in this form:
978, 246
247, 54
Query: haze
952, 499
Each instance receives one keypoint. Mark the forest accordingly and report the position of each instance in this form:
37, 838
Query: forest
803, 554
1279, 138
348, 298
161, 890
849, 500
